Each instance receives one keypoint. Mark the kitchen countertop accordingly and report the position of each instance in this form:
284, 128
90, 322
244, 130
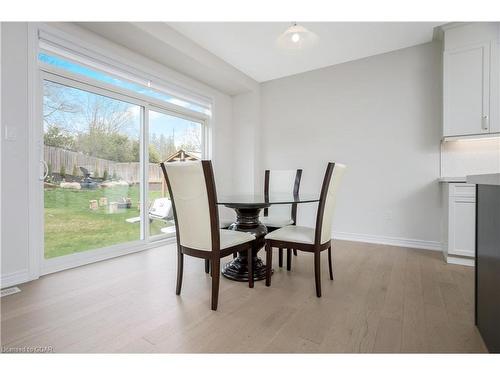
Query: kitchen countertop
452, 179
484, 179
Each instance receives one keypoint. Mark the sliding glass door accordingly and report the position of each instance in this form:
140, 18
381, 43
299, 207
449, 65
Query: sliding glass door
92, 187
103, 188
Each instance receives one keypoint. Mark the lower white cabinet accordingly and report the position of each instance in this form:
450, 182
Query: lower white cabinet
459, 216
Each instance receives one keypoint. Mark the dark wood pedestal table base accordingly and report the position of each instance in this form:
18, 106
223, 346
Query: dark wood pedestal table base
248, 209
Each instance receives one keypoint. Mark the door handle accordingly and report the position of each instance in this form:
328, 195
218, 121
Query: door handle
45, 170
484, 123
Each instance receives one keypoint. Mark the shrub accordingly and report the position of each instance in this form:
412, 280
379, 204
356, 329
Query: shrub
62, 171
75, 171
105, 175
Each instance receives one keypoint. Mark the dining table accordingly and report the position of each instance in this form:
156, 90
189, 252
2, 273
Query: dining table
248, 208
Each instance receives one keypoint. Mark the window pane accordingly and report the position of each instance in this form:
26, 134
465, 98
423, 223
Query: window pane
91, 147
171, 139
121, 83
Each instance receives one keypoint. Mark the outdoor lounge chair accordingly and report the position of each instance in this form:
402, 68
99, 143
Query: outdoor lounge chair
160, 209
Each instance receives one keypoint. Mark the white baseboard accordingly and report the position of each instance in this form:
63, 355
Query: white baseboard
15, 278
461, 261
386, 240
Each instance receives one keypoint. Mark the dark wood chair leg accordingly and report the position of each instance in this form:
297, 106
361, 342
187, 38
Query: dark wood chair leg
317, 272
207, 265
180, 269
215, 282
330, 262
280, 257
295, 252
269, 264
250, 268
288, 259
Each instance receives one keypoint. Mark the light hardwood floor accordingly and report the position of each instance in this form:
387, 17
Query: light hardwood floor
383, 299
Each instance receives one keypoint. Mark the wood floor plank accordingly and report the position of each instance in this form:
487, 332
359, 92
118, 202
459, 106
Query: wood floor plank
383, 299
389, 335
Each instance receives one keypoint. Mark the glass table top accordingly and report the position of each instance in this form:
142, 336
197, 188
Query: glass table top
259, 200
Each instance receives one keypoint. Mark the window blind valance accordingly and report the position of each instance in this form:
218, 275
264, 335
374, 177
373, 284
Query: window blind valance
60, 55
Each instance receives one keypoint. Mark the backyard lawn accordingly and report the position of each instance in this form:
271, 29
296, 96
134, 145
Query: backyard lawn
71, 226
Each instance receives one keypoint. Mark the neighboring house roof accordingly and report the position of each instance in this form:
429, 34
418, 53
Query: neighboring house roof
181, 155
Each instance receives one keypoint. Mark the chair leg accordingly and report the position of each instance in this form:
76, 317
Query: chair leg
180, 269
269, 263
250, 268
280, 257
288, 259
207, 265
215, 282
330, 262
295, 252
317, 272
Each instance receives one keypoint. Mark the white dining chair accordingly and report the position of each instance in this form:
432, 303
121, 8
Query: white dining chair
191, 186
313, 240
286, 182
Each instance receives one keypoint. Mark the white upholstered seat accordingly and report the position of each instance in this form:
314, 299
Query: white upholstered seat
293, 233
276, 221
229, 238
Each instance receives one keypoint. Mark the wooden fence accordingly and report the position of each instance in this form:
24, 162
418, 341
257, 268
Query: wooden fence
58, 157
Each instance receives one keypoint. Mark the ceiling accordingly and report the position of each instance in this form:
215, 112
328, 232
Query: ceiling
251, 46
159, 42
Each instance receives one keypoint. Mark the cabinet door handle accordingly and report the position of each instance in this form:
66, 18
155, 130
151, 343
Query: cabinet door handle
484, 123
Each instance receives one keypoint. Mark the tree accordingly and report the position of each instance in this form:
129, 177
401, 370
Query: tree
92, 124
191, 141
154, 155
57, 137
165, 146
56, 103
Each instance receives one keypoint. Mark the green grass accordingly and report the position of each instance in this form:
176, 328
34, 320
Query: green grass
71, 226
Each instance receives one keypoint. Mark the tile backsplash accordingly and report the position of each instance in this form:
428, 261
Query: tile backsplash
464, 157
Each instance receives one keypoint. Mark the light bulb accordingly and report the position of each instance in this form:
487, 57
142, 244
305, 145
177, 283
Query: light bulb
295, 37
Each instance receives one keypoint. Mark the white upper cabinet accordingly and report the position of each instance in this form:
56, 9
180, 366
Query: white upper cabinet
470, 80
467, 90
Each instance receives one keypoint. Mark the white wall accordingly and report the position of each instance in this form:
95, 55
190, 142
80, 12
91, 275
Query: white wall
14, 163
14, 168
246, 122
380, 116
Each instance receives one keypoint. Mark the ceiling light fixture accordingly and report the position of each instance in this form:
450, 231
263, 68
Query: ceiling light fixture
296, 37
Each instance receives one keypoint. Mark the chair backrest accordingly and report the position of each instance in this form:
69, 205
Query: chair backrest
282, 182
326, 207
191, 186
